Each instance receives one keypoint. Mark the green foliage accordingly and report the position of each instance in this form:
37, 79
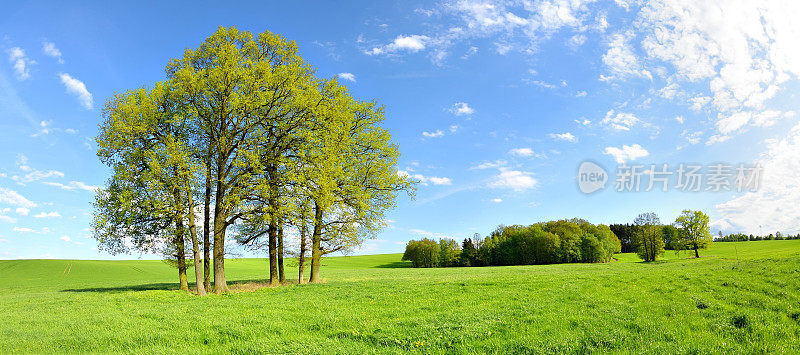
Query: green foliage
649, 237
244, 117
563, 241
422, 253
694, 232
449, 252
627, 236
671, 237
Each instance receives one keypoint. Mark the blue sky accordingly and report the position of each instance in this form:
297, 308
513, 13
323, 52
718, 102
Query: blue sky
494, 104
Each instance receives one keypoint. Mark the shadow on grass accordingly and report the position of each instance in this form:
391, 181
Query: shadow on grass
163, 286
395, 265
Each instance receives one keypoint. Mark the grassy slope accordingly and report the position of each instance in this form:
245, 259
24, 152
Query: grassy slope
369, 305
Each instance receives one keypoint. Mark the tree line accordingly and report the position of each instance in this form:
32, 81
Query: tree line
741, 237
562, 241
566, 241
243, 143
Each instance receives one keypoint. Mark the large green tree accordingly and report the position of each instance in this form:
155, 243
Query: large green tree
693, 231
348, 172
145, 139
244, 122
251, 97
649, 236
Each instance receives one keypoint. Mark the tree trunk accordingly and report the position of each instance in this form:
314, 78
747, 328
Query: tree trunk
302, 258
272, 230
281, 274
207, 230
220, 219
273, 251
316, 252
198, 264
181, 256
696, 254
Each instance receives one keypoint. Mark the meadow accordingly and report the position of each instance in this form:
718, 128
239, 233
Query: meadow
740, 297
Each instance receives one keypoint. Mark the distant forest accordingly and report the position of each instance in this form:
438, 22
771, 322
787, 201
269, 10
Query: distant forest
574, 241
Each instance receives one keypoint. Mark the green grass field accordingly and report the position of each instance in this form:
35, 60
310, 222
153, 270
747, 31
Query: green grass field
741, 298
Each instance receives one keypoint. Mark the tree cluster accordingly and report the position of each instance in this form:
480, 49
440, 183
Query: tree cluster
741, 237
563, 241
648, 238
243, 138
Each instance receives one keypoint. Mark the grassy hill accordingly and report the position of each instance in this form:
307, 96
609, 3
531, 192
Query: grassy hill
742, 297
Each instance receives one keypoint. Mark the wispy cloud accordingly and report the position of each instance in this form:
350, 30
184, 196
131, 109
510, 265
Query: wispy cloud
20, 62
13, 198
627, 152
49, 48
519, 181
425, 180
73, 185
566, 136
77, 88
347, 76
408, 43
52, 214
461, 109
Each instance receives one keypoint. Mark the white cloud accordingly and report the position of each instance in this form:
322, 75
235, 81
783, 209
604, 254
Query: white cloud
13, 198
23, 230
516, 180
50, 49
692, 137
502, 48
436, 134
621, 60
412, 43
78, 88
347, 76
773, 206
740, 53
22, 211
735, 121
7, 219
717, 139
679, 119
699, 102
65, 238
576, 41
497, 200
425, 180
52, 214
37, 175
627, 152
581, 94
670, 91
32, 174
45, 129
525, 22
489, 165
521, 152
541, 84
439, 180
73, 185
20, 62
566, 136
461, 108
620, 121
